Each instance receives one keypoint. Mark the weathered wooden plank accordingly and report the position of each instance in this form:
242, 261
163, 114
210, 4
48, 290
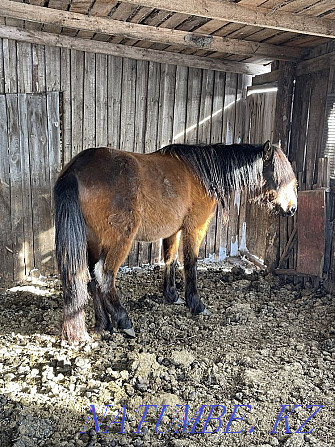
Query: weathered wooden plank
216, 137
102, 8
222, 230
24, 67
77, 98
228, 128
141, 105
54, 157
66, 104
128, 105
6, 241
240, 137
27, 213
95, 46
10, 65
152, 107
244, 82
316, 64
15, 166
233, 134
89, 101
284, 105
193, 105
2, 72
115, 67
52, 68
101, 108
151, 135
218, 105
142, 248
150, 30
204, 136
266, 78
300, 121
206, 107
259, 16
167, 98
179, 116
315, 125
40, 183
311, 232
227, 137
38, 76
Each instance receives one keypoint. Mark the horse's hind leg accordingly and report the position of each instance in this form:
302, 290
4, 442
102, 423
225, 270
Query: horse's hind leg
105, 273
102, 321
170, 248
191, 244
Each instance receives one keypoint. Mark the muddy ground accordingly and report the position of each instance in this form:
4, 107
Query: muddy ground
266, 344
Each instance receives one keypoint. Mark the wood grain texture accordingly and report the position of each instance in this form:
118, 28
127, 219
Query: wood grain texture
259, 16
94, 46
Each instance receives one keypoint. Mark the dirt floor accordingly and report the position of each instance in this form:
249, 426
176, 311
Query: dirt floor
267, 344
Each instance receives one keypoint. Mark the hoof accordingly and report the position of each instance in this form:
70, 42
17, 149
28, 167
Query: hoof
206, 313
130, 332
79, 341
99, 329
179, 301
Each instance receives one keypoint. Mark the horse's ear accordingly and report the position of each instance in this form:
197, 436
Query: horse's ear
267, 151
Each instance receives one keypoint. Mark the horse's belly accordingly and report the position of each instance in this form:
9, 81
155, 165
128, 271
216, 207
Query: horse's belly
154, 232
160, 223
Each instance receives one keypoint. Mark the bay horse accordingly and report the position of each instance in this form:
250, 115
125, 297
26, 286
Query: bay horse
106, 198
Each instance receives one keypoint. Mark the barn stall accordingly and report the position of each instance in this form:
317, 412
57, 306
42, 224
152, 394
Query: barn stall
138, 76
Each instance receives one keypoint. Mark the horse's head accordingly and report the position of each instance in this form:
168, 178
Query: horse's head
280, 183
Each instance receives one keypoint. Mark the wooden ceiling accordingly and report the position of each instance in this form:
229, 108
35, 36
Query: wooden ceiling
243, 36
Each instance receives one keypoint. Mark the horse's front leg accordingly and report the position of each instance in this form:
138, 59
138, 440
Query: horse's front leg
191, 244
170, 249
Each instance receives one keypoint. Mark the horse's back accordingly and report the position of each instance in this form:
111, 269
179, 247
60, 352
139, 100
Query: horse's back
101, 165
151, 194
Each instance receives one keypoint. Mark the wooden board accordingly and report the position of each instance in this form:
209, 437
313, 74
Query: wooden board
311, 232
101, 107
6, 243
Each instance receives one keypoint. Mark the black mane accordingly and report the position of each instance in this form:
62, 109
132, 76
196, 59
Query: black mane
222, 168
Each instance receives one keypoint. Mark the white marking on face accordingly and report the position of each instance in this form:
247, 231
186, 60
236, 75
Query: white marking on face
287, 196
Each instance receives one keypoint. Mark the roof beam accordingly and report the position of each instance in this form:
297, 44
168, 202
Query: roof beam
230, 12
59, 18
94, 46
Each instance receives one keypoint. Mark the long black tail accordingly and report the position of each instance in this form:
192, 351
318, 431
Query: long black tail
71, 254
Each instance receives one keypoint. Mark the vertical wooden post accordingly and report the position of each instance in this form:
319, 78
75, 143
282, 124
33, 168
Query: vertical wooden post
277, 231
284, 104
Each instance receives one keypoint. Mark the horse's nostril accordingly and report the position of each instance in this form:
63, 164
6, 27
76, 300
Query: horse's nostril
292, 210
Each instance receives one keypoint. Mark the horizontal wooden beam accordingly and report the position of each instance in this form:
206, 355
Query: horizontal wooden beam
262, 17
94, 46
316, 64
166, 36
267, 78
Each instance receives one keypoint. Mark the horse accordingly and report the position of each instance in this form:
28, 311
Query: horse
105, 199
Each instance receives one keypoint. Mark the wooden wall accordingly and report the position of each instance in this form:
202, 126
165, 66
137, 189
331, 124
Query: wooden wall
305, 151
261, 104
132, 105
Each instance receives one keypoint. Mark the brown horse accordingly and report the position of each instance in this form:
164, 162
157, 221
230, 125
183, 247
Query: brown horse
105, 199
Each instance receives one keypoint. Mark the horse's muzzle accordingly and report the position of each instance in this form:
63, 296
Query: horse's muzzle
290, 212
